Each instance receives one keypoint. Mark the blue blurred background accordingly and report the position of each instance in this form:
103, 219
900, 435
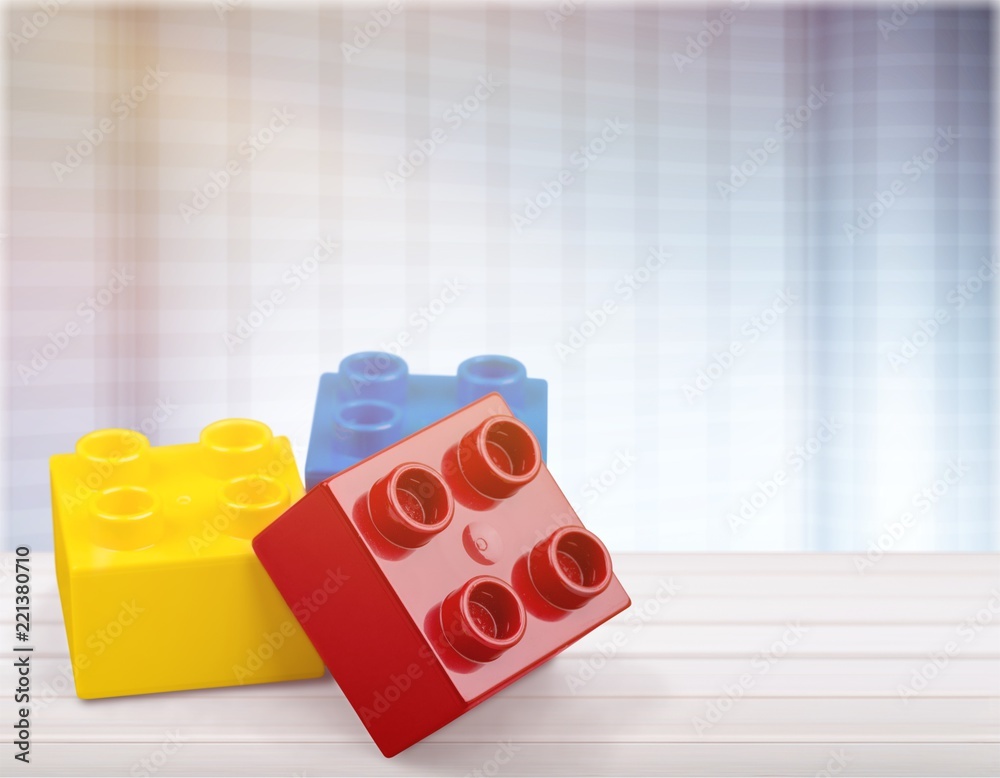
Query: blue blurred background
750, 247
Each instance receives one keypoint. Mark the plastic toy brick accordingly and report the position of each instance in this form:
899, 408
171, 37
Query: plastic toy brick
160, 587
373, 401
462, 567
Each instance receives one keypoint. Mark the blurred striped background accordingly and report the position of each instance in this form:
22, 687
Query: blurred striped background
749, 246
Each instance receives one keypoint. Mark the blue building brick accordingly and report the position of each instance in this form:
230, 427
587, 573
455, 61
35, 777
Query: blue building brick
372, 401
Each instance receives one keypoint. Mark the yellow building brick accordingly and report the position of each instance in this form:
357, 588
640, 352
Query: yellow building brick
160, 588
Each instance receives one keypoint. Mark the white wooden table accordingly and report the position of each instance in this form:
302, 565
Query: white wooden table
691, 688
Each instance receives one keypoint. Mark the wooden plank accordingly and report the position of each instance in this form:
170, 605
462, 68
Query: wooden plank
684, 608
639, 639
446, 759
621, 719
925, 566
627, 677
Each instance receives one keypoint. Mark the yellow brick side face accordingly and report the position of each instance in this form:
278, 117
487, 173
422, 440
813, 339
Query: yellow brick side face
160, 588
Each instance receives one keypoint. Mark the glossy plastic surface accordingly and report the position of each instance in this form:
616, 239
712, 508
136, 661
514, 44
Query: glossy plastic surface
159, 585
373, 401
460, 567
